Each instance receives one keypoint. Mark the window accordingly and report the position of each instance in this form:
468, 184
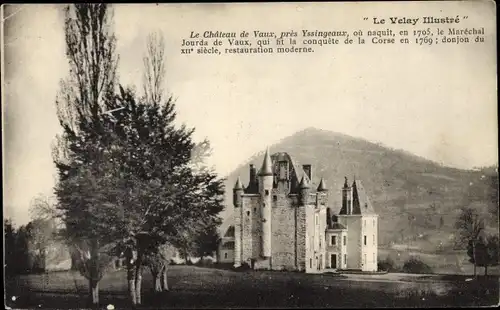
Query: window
364, 239
334, 240
248, 212
255, 209
373, 239
320, 242
283, 170
373, 257
345, 259
267, 192
316, 219
225, 255
275, 198
345, 240
364, 259
310, 262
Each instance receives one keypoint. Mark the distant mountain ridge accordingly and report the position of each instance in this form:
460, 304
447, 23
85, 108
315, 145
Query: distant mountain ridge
410, 193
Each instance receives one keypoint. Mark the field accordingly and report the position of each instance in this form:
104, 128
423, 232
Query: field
192, 286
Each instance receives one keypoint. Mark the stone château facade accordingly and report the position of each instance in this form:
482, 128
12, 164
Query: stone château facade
280, 222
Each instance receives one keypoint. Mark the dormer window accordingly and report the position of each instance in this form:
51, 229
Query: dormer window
283, 170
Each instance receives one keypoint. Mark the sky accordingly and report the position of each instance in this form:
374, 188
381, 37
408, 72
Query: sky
438, 102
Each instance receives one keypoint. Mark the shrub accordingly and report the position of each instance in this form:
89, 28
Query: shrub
415, 265
386, 265
243, 267
205, 262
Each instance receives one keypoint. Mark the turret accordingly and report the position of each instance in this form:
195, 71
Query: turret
322, 186
237, 194
266, 180
304, 190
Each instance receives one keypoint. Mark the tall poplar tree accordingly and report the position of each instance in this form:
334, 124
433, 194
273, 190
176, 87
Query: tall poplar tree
90, 50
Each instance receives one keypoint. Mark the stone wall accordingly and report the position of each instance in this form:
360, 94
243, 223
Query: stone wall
237, 236
301, 236
283, 234
250, 231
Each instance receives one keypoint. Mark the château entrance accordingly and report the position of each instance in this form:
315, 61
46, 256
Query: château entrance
333, 261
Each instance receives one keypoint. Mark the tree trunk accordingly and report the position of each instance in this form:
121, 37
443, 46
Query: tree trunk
163, 279
131, 280
94, 292
474, 256
138, 278
156, 280
138, 282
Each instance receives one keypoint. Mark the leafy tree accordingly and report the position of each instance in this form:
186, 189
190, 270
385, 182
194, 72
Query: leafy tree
24, 259
486, 252
484, 191
470, 226
163, 198
11, 262
387, 265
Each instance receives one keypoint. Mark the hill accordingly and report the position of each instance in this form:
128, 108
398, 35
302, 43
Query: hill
417, 199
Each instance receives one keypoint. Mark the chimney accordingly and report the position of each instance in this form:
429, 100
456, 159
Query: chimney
252, 173
252, 183
307, 170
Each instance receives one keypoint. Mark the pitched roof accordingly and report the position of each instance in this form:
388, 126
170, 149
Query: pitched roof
229, 231
361, 204
222, 229
296, 170
361, 201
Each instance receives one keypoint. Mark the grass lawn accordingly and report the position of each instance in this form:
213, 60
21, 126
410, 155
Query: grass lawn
200, 287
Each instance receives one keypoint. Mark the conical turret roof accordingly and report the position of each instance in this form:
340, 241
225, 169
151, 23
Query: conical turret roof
238, 184
322, 186
267, 168
304, 182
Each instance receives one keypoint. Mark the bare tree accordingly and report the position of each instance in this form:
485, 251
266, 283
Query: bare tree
154, 68
470, 225
90, 49
43, 207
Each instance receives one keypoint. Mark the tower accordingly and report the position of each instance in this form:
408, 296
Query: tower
304, 190
322, 194
237, 192
266, 179
238, 209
